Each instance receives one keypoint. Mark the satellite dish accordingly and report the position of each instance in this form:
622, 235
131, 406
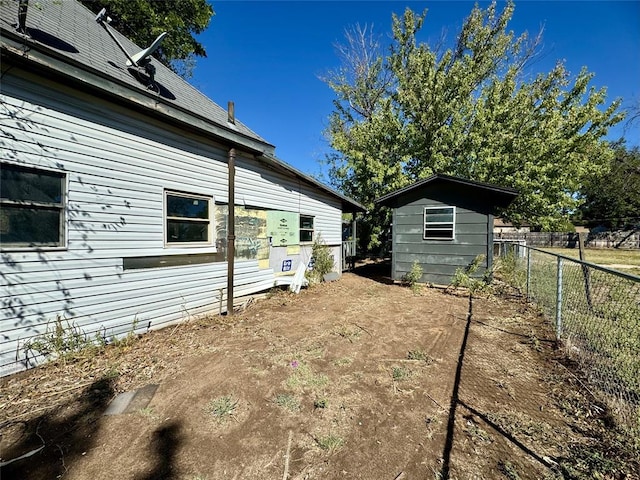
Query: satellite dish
140, 57
102, 16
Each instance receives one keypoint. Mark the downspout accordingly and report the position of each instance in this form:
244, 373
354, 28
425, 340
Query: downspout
231, 230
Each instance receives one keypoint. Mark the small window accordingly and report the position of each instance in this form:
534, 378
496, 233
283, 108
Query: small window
188, 219
306, 228
31, 207
439, 223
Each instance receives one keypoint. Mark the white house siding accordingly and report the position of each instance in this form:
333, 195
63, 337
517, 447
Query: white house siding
118, 165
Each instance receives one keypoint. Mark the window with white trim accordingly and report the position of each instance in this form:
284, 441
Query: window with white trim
439, 223
32, 211
306, 228
188, 219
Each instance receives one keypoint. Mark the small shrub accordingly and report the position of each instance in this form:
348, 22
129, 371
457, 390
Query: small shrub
322, 261
412, 278
463, 278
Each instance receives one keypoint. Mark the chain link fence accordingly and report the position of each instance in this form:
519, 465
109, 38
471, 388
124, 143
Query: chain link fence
596, 311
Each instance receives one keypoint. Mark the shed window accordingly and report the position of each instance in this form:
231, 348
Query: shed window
306, 228
439, 223
188, 219
31, 207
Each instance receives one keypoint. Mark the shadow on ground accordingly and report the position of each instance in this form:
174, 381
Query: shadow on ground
377, 270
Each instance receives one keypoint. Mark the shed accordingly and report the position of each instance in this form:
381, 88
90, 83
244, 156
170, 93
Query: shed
443, 223
116, 190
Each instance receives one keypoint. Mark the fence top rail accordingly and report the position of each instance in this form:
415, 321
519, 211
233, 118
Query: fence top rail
618, 273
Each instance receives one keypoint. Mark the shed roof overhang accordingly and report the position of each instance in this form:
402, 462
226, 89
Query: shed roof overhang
501, 197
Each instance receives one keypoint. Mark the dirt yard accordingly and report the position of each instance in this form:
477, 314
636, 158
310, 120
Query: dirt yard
354, 379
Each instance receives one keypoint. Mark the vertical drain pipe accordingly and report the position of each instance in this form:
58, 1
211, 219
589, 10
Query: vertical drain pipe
231, 230
231, 215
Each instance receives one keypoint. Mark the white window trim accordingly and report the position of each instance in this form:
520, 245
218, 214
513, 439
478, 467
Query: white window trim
312, 230
452, 224
211, 230
64, 220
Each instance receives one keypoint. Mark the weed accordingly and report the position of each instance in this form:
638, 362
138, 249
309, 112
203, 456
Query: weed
400, 373
348, 331
148, 412
509, 471
506, 387
412, 278
509, 269
126, 342
321, 402
343, 362
464, 277
330, 443
421, 355
304, 377
535, 342
61, 340
223, 407
431, 424
287, 401
517, 423
476, 433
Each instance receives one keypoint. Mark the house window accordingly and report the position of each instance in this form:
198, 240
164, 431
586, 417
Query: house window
188, 219
439, 223
31, 207
306, 228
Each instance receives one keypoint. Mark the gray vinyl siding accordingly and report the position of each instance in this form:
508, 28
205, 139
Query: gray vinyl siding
118, 164
440, 259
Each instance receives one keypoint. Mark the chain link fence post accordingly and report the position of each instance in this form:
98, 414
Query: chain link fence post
559, 300
528, 274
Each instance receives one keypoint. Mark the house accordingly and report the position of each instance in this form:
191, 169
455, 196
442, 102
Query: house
116, 185
443, 223
500, 226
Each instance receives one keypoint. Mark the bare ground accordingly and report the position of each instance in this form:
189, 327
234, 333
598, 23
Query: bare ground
357, 379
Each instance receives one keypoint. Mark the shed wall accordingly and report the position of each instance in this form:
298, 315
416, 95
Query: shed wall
118, 164
440, 259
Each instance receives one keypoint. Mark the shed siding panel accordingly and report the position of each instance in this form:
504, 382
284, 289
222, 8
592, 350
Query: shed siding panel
118, 165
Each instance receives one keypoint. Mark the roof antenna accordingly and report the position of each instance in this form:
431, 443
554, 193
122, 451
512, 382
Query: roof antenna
140, 59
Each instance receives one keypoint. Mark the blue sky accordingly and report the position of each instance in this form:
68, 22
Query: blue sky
266, 56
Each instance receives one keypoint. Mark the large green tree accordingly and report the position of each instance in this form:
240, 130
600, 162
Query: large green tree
472, 110
143, 20
613, 200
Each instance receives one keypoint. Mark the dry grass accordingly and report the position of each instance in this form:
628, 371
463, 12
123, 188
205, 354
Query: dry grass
605, 257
